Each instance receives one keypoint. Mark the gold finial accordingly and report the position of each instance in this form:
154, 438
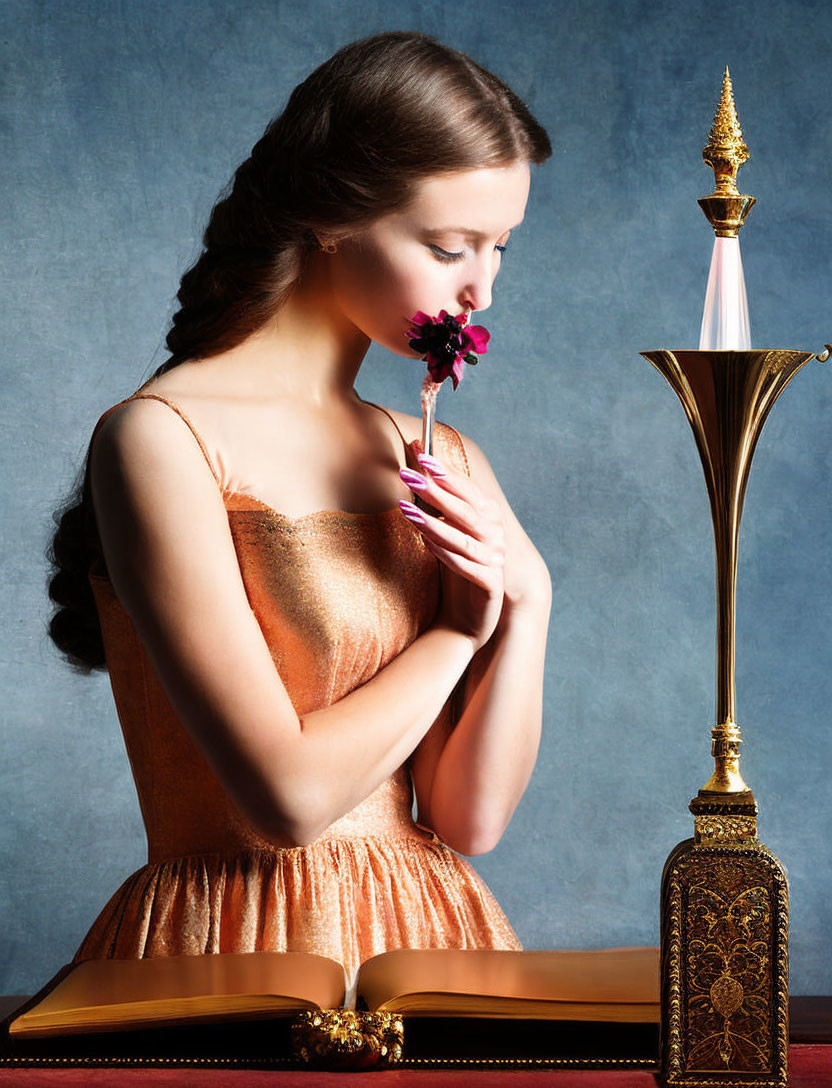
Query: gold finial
726, 151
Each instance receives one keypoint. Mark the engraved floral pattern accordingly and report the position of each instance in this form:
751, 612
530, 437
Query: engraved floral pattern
729, 966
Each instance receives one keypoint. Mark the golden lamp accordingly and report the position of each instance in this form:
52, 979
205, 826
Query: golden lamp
724, 895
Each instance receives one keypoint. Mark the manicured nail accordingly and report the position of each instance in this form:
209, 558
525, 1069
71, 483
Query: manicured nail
414, 480
431, 464
412, 512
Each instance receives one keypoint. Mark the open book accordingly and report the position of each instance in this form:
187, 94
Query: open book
609, 985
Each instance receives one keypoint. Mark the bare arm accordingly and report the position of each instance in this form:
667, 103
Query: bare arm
171, 559
469, 782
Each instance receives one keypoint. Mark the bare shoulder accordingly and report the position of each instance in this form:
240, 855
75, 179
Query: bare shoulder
478, 464
141, 445
142, 427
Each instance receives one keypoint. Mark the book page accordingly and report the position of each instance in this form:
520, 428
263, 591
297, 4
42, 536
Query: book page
490, 982
116, 994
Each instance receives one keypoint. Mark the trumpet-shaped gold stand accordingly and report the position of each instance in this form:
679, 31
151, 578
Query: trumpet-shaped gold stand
725, 898
727, 396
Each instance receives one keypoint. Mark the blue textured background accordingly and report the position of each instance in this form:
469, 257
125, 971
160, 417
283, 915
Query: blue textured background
120, 125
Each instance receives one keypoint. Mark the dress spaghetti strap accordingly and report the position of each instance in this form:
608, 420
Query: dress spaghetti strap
186, 421
452, 435
405, 443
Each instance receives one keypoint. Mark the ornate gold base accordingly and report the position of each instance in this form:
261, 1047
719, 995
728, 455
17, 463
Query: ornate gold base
345, 1039
724, 966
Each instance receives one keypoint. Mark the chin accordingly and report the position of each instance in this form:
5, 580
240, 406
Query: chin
405, 353
398, 345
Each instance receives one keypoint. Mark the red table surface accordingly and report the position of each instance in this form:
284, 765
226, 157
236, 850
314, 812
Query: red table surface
810, 1067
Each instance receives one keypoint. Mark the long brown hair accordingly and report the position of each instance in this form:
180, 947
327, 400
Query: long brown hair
352, 143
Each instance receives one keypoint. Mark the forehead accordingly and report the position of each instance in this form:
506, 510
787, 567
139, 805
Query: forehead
489, 199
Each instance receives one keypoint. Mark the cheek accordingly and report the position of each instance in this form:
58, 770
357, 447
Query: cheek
379, 294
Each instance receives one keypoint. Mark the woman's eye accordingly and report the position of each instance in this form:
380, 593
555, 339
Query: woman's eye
444, 255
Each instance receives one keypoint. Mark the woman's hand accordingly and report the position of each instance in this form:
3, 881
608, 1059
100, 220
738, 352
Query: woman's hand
468, 537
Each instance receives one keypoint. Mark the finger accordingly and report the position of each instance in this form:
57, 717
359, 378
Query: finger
449, 479
475, 573
441, 501
441, 532
480, 520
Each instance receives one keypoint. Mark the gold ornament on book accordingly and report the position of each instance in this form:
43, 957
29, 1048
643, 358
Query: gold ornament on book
725, 903
345, 1039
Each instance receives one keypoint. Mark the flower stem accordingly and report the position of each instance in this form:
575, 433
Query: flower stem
430, 388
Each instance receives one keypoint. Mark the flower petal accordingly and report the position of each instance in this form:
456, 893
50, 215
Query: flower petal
476, 337
458, 372
438, 367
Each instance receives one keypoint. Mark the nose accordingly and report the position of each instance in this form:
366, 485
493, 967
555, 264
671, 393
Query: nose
475, 293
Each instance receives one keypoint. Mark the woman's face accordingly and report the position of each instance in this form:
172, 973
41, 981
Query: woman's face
441, 252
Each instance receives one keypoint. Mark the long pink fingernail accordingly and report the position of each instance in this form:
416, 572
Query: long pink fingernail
412, 512
414, 480
431, 464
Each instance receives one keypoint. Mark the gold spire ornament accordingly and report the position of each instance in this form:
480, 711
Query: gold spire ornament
724, 896
726, 151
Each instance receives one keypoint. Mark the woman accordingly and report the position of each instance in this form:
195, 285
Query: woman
282, 634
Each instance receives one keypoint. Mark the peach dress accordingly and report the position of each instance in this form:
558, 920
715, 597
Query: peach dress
337, 595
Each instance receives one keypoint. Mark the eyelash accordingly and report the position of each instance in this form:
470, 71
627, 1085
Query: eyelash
444, 255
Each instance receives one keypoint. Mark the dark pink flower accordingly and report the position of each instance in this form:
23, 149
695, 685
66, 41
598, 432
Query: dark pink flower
447, 343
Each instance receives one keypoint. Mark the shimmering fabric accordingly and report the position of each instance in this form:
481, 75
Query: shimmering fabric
336, 595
